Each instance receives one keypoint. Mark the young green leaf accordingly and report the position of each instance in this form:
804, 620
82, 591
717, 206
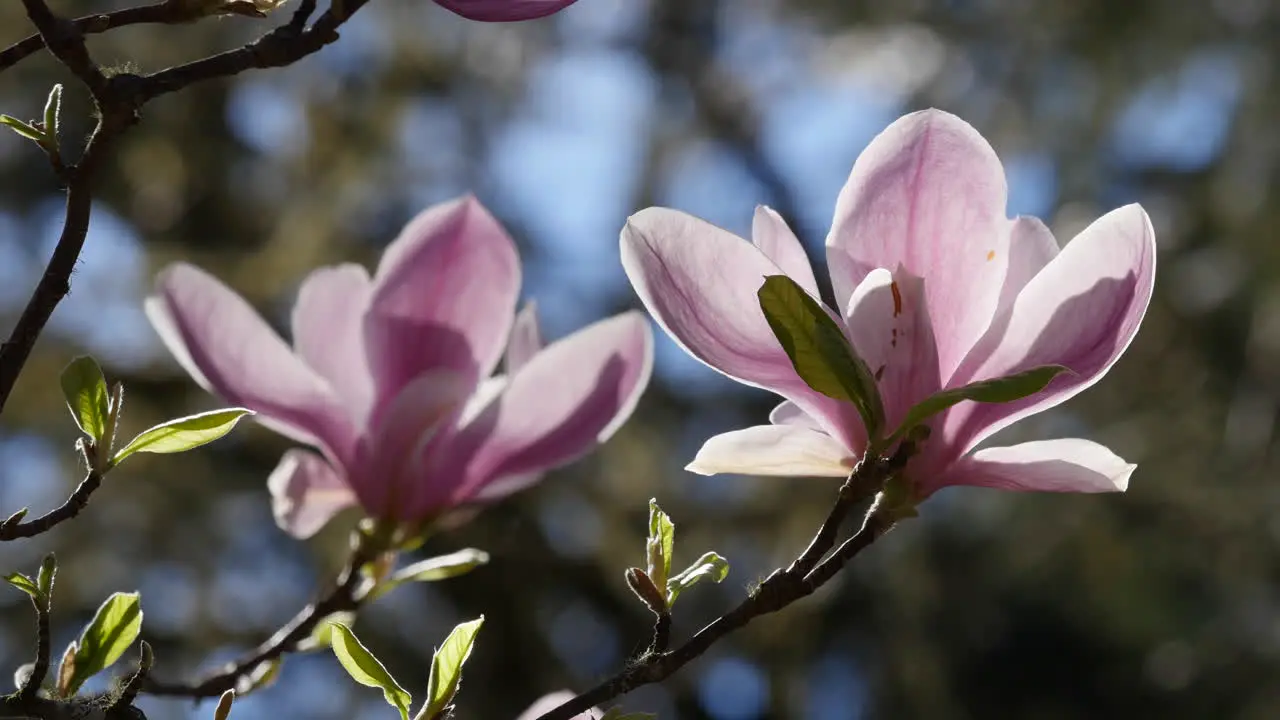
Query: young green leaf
48, 570
999, 390
183, 434
111, 631
819, 350
708, 567
26, 130
433, 569
661, 544
23, 583
446, 669
85, 390
52, 111
365, 669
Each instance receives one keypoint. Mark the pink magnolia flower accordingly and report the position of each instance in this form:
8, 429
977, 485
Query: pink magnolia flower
937, 288
389, 376
551, 701
504, 10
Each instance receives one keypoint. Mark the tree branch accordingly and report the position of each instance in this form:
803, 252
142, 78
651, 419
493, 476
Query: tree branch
782, 588
11, 530
344, 597
162, 13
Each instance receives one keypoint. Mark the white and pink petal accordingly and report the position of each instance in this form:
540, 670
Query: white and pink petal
779, 450
306, 492
1063, 465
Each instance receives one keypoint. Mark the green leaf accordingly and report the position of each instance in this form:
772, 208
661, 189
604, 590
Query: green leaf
183, 434
85, 390
708, 567
446, 669
661, 544
433, 569
26, 130
48, 570
999, 390
365, 669
819, 350
23, 583
52, 111
113, 629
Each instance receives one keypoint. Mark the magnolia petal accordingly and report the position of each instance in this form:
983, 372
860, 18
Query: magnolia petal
929, 194
1082, 310
567, 399
507, 485
395, 473
888, 324
504, 10
328, 326
526, 338
1065, 465
788, 413
781, 450
229, 350
700, 283
775, 239
306, 492
549, 702
1031, 247
443, 297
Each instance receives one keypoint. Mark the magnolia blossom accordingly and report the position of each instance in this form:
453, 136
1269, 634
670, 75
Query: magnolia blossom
504, 10
551, 701
936, 289
388, 379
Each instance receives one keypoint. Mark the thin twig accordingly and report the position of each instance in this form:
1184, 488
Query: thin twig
162, 13
344, 597
782, 588
69, 509
31, 686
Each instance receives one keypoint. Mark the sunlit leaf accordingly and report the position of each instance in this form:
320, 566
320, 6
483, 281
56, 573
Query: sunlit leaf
661, 544
183, 434
85, 390
111, 631
365, 669
708, 567
23, 583
26, 130
433, 569
446, 669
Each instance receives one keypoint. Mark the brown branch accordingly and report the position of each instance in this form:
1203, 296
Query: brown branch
344, 597
782, 588
69, 509
162, 13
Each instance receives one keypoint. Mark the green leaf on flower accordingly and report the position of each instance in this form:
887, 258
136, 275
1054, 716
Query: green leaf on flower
661, 544
1000, 390
85, 390
23, 583
184, 433
111, 631
433, 569
366, 669
819, 351
446, 669
711, 566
